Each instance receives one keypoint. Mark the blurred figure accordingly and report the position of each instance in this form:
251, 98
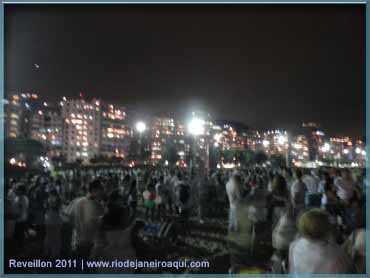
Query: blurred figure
313, 252
344, 186
84, 214
278, 199
53, 226
297, 192
114, 241
312, 196
21, 204
355, 246
233, 189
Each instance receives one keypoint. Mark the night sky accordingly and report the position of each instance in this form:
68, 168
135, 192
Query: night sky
269, 66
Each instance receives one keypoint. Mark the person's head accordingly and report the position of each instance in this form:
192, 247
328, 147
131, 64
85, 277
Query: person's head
237, 178
54, 200
20, 189
279, 184
96, 190
298, 174
161, 179
314, 224
346, 174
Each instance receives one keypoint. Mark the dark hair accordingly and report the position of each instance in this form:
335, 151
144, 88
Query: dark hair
95, 185
298, 173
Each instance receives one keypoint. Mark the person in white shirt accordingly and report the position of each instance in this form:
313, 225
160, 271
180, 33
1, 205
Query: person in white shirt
344, 186
233, 189
84, 214
297, 193
313, 252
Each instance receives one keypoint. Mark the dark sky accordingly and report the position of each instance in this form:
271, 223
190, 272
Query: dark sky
267, 65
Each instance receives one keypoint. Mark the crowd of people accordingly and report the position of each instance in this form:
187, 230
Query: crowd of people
317, 216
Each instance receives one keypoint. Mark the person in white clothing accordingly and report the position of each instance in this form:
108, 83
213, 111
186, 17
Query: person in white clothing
344, 186
313, 252
85, 215
233, 189
297, 192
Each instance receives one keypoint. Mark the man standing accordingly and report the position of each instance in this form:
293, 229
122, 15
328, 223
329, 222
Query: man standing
233, 189
84, 214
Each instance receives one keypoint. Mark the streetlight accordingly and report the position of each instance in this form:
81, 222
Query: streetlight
196, 128
140, 127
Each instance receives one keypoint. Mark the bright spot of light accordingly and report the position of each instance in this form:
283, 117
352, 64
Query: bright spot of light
266, 143
140, 127
196, 126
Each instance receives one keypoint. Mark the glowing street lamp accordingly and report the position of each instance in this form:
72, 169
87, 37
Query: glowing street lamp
140, 127
196, 127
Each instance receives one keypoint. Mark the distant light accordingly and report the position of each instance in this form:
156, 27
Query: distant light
45, 104
265, 143
140, 127
196, 126
326, 147
217, 137
12, 161
358, 150
37, 66
166, 163
363, 153
345, 151
282, 139
297, 146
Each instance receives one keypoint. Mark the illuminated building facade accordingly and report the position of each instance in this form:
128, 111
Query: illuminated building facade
341, 148
233, 136
275, 142
12, 117
114, 141
47, 127
299, 149
315, 139
81, 129
18, 110
166, 133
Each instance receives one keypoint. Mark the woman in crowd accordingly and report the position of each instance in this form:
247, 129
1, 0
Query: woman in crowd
313, 252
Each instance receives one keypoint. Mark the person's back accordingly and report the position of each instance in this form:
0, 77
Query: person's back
344, 186
313, 252
317, 257
297, 193
115, 241
182, 194
84, 214
233, 193
312, 184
